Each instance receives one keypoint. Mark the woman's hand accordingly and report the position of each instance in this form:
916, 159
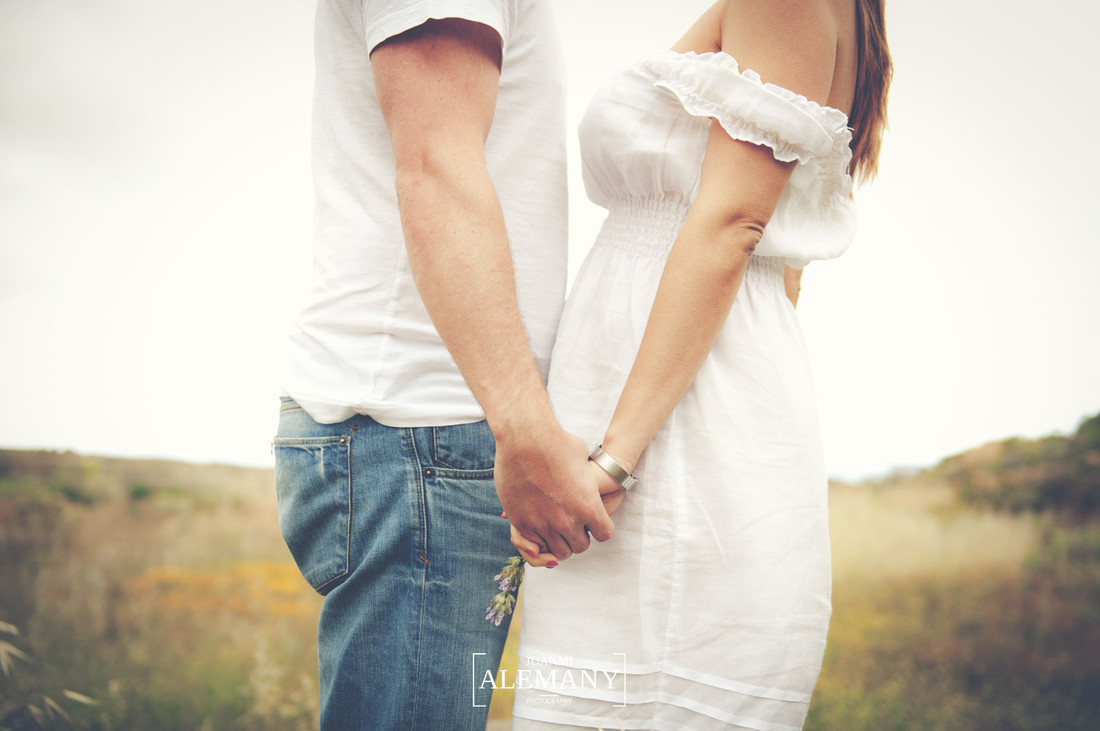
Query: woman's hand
612, 494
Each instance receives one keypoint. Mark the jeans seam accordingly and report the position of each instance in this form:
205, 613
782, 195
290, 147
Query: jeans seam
421, 500
434, 456
422, 556
350, 453
457, 474
309, 441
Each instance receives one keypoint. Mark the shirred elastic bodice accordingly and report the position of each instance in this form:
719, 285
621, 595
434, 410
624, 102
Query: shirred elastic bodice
648, 228
644, 137
642, 227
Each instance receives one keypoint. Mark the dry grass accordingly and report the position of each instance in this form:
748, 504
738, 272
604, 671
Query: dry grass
164, 592
947, 617
918, 529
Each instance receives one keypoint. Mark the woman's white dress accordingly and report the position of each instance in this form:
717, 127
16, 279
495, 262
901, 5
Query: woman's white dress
709, 607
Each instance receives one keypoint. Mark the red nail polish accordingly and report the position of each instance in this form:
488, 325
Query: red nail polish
502, 514
552, 564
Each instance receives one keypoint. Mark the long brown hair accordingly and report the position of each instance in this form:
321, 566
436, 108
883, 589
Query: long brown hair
874, 70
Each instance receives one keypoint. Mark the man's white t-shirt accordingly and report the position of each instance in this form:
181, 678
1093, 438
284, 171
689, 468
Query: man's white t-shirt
365, 343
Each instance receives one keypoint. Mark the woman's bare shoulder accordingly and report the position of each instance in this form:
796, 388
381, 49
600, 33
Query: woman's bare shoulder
809, 46
705, 35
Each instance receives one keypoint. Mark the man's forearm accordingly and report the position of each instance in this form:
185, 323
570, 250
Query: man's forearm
437, 89
461, 261
460, 258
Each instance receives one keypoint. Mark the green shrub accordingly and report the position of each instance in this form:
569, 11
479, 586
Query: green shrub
1054, 474
140, 491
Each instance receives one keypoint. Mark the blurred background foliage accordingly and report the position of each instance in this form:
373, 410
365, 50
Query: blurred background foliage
159, 595
160, 590
1056, 474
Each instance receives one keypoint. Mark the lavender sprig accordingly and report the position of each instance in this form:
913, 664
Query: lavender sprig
509, 579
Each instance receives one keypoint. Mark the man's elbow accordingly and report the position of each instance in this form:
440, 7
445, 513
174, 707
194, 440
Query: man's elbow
423, 174
421, 181
414, 170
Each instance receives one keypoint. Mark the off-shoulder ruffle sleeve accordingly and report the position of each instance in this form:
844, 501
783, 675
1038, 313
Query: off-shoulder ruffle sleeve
817, 202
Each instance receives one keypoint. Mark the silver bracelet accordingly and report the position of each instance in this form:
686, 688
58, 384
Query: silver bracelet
608, 464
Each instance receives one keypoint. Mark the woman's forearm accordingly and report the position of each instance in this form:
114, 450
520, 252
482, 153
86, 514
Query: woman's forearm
697, 289
740, 185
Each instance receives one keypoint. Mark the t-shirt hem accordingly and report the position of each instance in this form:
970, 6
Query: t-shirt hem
398, 22
329, 412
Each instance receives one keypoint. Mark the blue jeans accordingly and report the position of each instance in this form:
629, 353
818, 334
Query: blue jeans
400, 530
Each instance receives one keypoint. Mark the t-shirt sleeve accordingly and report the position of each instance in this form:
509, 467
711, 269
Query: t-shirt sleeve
384, 19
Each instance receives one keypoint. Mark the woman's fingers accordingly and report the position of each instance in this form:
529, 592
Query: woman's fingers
531, 551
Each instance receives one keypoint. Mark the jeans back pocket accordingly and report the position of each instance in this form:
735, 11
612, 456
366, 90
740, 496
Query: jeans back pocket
313, 484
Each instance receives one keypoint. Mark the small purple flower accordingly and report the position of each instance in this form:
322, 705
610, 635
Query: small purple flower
509, 579
501, 606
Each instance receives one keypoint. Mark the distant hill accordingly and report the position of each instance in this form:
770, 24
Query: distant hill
82, 478
1059, 474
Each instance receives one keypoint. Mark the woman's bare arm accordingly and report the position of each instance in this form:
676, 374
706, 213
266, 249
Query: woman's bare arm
792, 44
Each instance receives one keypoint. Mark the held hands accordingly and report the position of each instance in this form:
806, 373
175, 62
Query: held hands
550, 493
611, 494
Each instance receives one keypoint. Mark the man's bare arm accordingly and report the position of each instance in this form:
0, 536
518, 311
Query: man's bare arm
437, 85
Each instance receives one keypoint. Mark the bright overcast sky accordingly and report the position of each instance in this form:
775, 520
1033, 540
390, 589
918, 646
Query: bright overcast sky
155, 222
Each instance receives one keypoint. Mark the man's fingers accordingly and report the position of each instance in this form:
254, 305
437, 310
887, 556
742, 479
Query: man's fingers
577, 538
560, 547
601, 527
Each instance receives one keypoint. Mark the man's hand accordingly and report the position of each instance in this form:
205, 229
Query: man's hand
548, 491
612, 495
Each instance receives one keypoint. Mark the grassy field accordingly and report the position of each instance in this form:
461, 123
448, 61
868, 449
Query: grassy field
160, 590
163, 593
950, 618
